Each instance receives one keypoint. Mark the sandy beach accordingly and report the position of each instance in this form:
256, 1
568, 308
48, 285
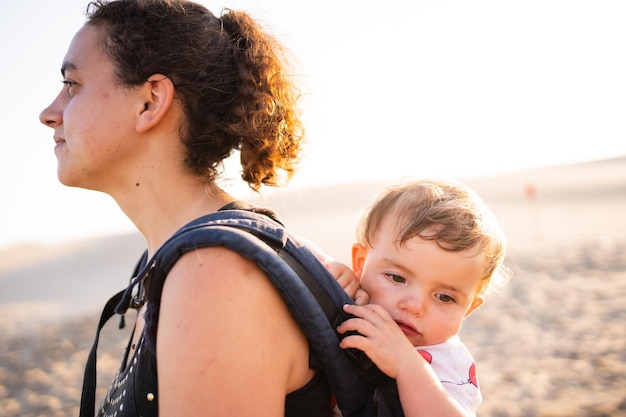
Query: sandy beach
550, 344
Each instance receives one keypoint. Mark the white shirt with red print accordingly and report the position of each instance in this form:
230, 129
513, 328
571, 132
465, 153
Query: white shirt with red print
455, 368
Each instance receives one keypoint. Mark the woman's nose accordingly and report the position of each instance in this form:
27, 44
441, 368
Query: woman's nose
52, 115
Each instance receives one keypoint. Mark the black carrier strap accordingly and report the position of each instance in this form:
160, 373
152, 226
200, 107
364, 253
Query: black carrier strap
88, 397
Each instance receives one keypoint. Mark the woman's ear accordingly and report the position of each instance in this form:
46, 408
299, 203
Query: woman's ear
158, 96
358, 259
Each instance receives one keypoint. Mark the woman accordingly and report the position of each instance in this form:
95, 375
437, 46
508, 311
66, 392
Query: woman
156, 95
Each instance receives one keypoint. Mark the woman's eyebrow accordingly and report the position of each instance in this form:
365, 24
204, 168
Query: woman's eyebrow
67, 66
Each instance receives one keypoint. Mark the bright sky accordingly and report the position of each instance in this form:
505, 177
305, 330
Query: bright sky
393, 89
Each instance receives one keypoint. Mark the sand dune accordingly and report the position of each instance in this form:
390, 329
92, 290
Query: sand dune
552, 343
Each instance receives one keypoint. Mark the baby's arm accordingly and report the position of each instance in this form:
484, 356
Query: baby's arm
421, 392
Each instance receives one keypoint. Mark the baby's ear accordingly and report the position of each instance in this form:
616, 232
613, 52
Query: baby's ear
358, 259
477, 302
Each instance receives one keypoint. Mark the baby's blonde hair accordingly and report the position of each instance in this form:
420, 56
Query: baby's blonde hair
447, 212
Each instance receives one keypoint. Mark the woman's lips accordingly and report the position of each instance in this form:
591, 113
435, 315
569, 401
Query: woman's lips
58, 142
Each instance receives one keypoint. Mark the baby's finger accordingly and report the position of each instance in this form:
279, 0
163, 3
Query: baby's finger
350, 325
358, 325
361, 297
356, 341
333, 266
349, 286
368, 311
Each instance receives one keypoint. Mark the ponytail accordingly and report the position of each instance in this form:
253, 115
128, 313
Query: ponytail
230, 76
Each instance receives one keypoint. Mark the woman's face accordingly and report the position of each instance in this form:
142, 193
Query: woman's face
93, 117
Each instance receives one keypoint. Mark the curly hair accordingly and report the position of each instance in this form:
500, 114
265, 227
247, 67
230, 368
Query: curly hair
447, 212
231, 77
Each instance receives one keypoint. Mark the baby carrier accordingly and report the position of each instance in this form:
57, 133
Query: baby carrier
307, 288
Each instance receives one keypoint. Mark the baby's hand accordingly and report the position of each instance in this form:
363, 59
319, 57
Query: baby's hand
344, 276
378, 335
348, 281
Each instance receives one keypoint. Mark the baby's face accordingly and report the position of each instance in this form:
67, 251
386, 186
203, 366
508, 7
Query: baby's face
427, 290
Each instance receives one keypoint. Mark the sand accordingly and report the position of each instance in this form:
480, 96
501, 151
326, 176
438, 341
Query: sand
552, 343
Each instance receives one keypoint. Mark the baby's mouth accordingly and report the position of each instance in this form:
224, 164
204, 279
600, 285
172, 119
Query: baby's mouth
407, 329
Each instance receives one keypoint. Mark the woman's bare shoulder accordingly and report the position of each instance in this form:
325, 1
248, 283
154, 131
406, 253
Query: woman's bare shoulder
210, 280
217, 299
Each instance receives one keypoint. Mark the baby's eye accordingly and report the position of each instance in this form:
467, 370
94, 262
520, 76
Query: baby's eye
396, 278
445, 298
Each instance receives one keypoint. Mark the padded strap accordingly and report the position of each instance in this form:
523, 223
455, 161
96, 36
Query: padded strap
88, 397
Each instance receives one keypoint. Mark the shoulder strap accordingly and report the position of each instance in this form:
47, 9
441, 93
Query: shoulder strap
88, 396
309, 291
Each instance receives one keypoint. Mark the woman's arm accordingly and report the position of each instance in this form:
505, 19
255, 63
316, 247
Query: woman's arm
226, 344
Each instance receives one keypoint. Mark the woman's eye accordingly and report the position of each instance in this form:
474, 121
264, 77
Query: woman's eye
396, 278
445, 298
68, 86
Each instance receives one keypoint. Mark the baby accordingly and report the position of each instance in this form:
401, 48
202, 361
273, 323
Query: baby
426, 254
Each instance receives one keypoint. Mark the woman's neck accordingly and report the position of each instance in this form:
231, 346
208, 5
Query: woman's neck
159, 210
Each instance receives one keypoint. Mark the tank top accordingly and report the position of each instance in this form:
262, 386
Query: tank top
134, 390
